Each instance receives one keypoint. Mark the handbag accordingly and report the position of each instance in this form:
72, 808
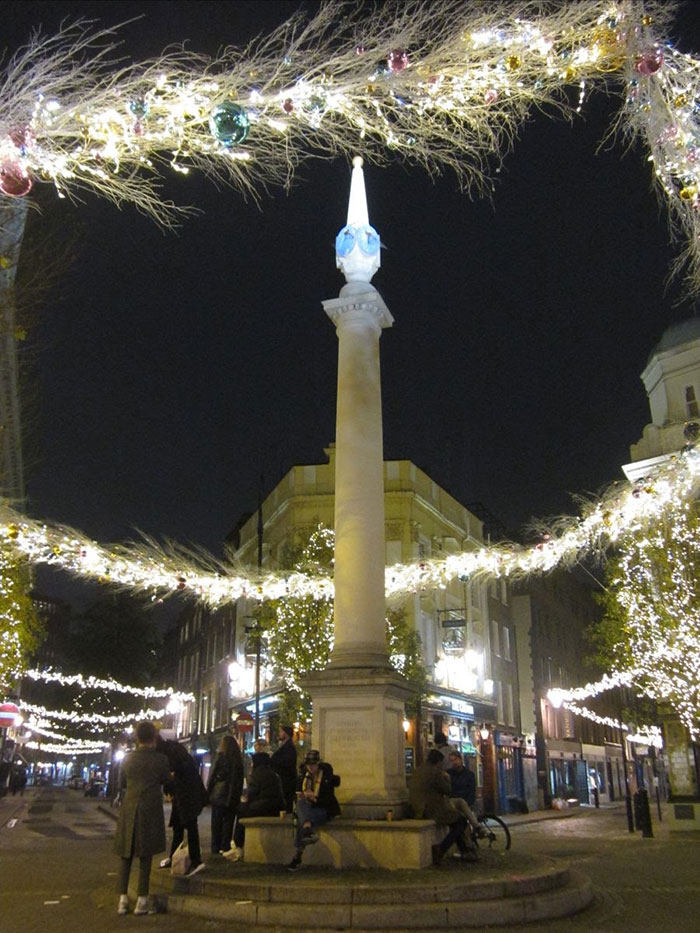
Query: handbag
219, 794
180, 863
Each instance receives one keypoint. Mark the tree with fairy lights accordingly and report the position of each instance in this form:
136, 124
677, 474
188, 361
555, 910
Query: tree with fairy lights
21, 629
652, 610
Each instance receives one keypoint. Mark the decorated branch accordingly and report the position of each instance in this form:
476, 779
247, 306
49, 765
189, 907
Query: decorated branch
163, 570
443, 85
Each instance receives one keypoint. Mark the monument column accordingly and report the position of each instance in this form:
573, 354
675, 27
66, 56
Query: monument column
358, 701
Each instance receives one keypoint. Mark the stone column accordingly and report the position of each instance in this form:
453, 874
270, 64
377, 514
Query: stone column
358, 701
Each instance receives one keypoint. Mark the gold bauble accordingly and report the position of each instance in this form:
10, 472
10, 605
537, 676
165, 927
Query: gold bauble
513, 62
680, 101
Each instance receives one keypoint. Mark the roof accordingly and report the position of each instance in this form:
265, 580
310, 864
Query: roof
676, 335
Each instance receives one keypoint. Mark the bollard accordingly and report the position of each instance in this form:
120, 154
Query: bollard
642, 814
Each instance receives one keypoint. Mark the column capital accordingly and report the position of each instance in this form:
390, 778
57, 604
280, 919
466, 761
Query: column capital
358, 298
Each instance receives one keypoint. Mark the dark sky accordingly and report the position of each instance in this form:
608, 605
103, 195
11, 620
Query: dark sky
171, 370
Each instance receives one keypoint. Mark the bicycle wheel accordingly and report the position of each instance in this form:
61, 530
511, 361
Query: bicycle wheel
497, 833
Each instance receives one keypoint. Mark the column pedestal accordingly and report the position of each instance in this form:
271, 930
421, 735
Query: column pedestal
357, 726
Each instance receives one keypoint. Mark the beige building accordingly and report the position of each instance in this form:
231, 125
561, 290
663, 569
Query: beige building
465, 629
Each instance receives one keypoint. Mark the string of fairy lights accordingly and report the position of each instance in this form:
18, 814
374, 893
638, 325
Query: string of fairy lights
164, 570
443, 85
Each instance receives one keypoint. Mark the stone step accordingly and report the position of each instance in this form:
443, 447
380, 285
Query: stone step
319, 900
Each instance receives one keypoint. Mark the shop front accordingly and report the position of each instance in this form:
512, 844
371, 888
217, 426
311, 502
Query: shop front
465, 722
567, 772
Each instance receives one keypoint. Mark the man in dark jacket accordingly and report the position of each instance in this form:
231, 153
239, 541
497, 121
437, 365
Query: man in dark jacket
316, 801
284, 762
429, 790
265, 798
188, 800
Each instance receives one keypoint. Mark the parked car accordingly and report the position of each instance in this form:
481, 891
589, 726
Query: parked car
96, 788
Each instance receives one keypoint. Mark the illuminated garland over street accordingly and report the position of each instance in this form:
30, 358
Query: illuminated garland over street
443, 85
91, 719
96, 683
162, 571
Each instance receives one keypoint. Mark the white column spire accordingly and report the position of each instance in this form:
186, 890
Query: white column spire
357, 246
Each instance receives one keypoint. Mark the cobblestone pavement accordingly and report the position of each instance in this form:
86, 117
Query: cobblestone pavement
58, 869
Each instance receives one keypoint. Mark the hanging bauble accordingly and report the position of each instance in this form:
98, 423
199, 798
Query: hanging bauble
137, 128
288, 105
513, 62
650, 62
491, 96
229, 123
680, 101
397, 60
688, 193
14, 181
21, 137
138, 107
315, 104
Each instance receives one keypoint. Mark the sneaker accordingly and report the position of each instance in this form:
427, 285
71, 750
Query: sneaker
309, 838
233, 854
437, 854
165, 863
143, 906
200, 866
123, 907
295, 864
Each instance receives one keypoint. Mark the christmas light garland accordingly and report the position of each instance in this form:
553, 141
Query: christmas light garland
96, 683
164, 570
442, 85
91, 719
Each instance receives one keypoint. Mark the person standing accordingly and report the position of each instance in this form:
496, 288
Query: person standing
224, 789
316, 802
444, 747
284, 762
429, 790
188, 799
141, 824
265, 798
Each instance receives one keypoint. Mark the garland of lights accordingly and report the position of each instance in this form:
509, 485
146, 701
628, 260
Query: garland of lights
443, 85
95, 683
92, 719
162, 571
644, 735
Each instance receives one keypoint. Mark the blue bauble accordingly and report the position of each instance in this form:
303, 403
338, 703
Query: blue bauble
229, 123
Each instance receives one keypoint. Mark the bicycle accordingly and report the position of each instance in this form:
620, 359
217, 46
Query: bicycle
495, 834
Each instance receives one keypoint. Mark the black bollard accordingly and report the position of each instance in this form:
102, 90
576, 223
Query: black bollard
642, 813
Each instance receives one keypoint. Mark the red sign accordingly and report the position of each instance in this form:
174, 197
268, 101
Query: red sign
245, 722
8, 713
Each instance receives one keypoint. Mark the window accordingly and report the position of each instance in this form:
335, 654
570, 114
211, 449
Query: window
691, 403
495, 642
508, 718
506, 643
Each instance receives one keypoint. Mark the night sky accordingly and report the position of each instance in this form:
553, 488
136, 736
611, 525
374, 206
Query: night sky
170, 370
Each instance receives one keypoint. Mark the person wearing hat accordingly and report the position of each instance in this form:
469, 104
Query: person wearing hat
284, 763
316, 802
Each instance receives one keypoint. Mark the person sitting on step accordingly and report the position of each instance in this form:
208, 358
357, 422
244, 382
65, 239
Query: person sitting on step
316, 801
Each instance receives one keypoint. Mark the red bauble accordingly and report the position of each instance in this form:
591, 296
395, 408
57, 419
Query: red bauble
397, 60
14, 181
650, 62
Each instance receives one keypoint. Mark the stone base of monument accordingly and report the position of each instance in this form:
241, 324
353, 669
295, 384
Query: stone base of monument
683, 814
345, 843
499, 890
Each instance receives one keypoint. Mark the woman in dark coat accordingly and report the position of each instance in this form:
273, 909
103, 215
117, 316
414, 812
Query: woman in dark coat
224, 789
141, 825
265, 798
189, 798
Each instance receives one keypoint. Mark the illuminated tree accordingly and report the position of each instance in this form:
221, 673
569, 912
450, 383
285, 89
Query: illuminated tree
20, 627
652, 610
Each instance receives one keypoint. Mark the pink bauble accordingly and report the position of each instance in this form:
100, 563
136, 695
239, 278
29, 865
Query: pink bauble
491, 96
397, 60
650, 62
14, 181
